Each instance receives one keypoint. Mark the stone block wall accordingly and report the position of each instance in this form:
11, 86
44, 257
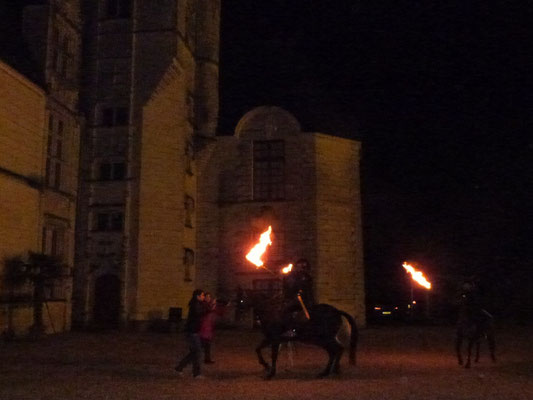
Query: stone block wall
340, 273
22, 145
319, 218
164, 183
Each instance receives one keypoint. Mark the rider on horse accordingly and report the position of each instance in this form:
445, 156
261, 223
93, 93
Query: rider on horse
297, 289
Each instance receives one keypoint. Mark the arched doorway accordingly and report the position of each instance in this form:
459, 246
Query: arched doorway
106, 310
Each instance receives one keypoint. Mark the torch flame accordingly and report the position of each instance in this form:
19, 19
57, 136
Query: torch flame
287, 269
417, 276
254, 256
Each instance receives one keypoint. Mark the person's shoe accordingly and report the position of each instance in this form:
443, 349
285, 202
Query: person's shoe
199, 377
179, 372
209, 362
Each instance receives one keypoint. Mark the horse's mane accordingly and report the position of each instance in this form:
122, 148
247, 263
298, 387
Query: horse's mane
265, 302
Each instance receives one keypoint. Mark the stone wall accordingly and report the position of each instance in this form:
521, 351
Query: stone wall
340, 272
22, 145
164, 183
318, 218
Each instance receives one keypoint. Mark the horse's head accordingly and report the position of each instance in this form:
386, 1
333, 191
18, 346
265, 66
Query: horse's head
258, 300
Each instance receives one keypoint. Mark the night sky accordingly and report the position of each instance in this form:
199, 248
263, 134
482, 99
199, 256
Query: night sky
438, 94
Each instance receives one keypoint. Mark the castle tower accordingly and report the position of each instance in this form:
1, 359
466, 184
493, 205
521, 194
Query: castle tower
150, 67
52, 30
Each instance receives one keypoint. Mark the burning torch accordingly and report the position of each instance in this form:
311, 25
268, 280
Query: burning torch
419, 278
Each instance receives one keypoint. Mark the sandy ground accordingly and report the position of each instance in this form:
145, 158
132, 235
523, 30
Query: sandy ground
393, 363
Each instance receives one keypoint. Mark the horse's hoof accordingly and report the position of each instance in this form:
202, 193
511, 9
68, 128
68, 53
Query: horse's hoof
467, 366
322, 375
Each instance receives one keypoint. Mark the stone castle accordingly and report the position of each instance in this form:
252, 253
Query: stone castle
139, 192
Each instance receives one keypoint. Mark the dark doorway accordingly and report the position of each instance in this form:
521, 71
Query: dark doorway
107, 301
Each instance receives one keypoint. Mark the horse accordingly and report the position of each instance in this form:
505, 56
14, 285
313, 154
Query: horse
474, 324
320, 330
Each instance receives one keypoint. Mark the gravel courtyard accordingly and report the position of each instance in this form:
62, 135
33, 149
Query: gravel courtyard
393, 363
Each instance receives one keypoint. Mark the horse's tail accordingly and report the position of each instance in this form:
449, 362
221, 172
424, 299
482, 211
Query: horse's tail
354, 336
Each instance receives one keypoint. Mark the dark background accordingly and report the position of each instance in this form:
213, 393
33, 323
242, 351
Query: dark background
438, 94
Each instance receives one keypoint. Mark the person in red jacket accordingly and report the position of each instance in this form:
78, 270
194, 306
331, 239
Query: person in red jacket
207, 325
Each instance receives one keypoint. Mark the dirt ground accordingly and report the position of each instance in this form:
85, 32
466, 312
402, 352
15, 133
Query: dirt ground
393, 363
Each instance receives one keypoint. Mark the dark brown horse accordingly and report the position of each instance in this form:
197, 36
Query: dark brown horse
320, 330
474, 324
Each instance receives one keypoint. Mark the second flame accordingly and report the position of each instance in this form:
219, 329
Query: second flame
417, 276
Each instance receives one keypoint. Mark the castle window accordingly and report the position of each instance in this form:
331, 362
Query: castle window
189, 157
118, 8
54, 154
189, 211
54, 240
110, 221
115, 116
188, 264
269, 170
112, 171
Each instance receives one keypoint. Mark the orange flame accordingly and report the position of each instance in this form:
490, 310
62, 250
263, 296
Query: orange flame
254, 256
287, 269
417, 276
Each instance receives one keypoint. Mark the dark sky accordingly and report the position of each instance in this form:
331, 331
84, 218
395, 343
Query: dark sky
439, 95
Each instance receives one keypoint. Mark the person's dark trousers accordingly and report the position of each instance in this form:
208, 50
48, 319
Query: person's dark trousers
195, 350
206, 344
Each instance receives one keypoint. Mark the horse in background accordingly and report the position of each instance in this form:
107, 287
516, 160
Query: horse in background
320, 330
474, 324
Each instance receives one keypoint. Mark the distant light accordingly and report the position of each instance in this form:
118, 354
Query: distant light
386, 313
395, 308
377, 308
414, 301
408, 305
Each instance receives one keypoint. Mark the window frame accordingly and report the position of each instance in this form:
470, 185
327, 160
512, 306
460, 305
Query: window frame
268, 170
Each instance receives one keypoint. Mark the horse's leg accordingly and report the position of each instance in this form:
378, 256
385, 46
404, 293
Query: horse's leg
337, 363
492, 345
258, 349
458, 345
471, 341
330, 347
478, 345
275, 349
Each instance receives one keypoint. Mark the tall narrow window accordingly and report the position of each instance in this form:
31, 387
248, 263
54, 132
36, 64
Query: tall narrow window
53, 240
112, 171
118, 8
188, 264
189, 157
269, 170
55, 243
110, 221
55, 157
114, 116
189, 211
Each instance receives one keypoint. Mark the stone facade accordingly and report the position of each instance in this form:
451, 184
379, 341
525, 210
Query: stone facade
163, 204
312, 202
22, 145
150, 89
52, 32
